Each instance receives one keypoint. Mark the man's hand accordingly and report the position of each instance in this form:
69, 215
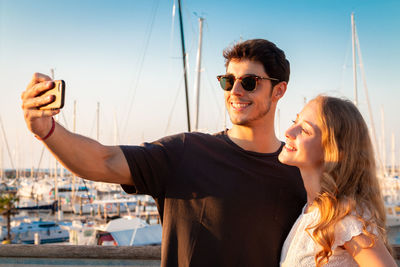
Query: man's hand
38, 121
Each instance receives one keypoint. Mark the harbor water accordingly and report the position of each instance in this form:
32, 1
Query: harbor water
394, 235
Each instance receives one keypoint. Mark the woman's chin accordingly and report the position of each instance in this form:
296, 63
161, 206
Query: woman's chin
283, 158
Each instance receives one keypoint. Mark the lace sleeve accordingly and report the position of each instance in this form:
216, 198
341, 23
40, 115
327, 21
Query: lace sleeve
348, 228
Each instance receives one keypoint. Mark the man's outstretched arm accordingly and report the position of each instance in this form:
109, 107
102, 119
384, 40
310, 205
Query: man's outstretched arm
83, 156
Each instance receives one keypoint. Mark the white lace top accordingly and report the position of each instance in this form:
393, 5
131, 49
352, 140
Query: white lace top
300, 249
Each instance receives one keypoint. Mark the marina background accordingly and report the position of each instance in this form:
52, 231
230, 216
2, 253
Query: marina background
121, 61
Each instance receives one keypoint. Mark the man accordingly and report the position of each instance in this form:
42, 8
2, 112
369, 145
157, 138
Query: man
224, 199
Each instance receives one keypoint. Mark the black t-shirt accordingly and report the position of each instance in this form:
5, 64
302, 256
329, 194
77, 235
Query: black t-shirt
220, 205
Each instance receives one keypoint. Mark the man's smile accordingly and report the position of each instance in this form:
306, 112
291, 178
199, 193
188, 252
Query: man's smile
239, 106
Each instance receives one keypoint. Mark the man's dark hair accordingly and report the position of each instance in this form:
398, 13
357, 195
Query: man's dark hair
267, 53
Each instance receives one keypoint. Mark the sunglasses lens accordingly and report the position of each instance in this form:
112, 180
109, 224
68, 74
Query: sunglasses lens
226, 83
249, 83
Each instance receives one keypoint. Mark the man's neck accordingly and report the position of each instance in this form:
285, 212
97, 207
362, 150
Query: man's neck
259, 139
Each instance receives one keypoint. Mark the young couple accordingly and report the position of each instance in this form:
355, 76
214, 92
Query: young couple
236, 198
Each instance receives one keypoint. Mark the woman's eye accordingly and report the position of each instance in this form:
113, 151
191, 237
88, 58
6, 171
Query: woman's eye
305, 131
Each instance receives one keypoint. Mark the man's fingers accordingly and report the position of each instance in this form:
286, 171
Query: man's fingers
36, 113
37, 78
34, 103
37, 89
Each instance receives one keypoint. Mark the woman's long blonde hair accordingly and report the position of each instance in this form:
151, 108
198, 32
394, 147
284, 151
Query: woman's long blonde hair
349, 184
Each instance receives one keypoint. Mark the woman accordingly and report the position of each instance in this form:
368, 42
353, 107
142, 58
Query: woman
343, 222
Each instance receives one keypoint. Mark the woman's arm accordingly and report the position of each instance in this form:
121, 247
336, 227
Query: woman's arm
376, 256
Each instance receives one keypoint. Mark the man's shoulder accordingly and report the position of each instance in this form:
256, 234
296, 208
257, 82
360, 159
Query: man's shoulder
196, 135
189, 139
206, 138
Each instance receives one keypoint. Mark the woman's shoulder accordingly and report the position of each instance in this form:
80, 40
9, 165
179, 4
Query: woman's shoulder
353, 225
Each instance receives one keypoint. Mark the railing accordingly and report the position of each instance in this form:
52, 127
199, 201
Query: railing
48, 255
396, 251
28, 255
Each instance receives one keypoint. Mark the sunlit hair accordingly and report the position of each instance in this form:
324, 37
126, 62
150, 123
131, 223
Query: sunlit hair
260, 50
349, 184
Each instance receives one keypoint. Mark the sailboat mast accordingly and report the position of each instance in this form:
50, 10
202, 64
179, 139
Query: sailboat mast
1, 165
392, 172
116, 139
5, 140
371, 116
353, 39
278, 122
56, 195
73, 175
392, 167
198, 70
184, 64
355, 42
98, 122
383, 141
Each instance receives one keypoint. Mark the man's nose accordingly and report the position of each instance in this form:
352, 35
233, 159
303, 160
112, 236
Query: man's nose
237, 88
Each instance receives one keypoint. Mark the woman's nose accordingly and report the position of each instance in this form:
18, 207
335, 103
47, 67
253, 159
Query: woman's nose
290, 132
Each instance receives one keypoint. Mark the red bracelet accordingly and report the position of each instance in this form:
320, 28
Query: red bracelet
53, 126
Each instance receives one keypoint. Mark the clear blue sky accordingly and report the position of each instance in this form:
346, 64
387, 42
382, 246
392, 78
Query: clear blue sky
126, 56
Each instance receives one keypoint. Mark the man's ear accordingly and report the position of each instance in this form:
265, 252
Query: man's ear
278, 91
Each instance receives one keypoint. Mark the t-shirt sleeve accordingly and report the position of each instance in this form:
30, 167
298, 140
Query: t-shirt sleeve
153, 164
348, 228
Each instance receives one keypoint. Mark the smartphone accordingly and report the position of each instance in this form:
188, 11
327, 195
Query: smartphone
59, 92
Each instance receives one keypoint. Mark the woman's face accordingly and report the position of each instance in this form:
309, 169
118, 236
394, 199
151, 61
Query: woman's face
303, 147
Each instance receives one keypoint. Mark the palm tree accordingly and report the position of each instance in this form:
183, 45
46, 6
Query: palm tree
7, 208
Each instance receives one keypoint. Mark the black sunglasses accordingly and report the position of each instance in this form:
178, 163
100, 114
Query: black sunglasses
249, 82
